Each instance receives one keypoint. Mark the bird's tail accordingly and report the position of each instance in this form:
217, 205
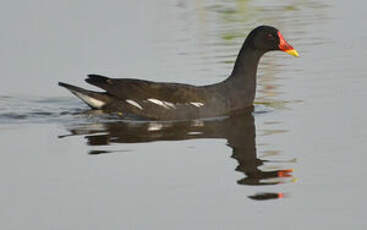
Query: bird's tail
98, 80
95, 100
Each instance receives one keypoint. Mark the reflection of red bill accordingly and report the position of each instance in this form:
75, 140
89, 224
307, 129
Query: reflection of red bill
268, 196
285, 173
284, 46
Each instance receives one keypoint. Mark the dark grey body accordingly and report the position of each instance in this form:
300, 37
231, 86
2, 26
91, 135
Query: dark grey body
174, 101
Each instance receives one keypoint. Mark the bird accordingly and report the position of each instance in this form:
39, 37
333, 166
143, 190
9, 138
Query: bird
152, 100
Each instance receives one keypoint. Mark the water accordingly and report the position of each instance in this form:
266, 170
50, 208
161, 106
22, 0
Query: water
297, 162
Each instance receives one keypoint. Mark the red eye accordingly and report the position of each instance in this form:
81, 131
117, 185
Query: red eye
270, 36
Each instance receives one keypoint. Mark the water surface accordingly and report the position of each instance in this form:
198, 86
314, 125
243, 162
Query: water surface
296, 162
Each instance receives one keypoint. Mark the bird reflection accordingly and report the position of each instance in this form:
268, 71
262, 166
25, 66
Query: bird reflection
239, 131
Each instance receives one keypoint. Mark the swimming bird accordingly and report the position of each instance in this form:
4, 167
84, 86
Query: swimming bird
175, 101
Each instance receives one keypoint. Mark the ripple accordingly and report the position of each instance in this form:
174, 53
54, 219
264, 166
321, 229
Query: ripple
37, 110
12, 116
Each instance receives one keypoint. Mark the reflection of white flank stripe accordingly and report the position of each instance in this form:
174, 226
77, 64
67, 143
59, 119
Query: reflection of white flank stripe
197, 104
197, 123
154, 126
97, 104
165, 104
134, 103
195, 133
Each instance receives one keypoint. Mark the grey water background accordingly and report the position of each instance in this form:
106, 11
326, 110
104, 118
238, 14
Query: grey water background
310, 116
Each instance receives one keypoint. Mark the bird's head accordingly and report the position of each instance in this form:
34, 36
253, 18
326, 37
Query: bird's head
268, 38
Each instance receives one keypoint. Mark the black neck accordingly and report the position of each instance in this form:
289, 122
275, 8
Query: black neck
246, 63
242, 80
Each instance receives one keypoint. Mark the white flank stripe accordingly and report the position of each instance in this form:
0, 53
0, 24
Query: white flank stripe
134, 103
158, 102
169, 104
97, 104
197, 104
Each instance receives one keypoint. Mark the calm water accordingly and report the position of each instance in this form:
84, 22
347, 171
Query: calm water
297, 162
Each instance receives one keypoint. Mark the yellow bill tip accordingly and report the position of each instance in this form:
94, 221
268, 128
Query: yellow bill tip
292, 52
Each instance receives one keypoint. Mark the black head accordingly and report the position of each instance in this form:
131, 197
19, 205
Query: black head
267, 38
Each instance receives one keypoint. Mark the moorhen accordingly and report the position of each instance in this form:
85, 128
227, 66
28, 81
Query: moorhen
175, 101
